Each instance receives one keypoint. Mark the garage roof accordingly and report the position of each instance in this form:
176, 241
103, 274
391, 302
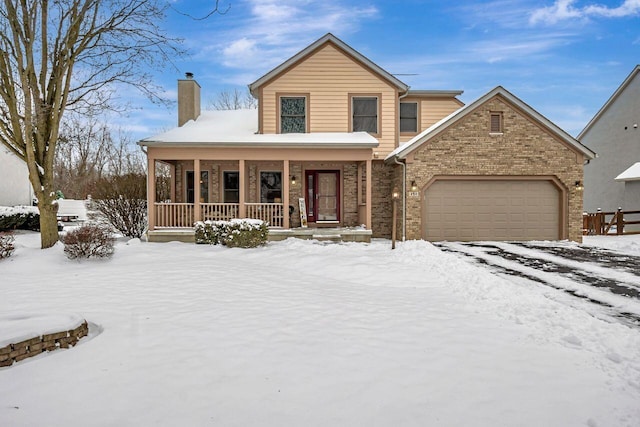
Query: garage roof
402, 151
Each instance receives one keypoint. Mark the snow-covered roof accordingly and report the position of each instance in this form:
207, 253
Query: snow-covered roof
342, 45
238, 128
630, 174
405, 149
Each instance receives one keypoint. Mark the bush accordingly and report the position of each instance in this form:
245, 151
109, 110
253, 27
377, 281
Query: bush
6, 245
237, 233
210, 232
122, 200
19, 218
90, 240
245, 233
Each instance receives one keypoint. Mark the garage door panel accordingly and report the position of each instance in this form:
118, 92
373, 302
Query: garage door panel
492, 210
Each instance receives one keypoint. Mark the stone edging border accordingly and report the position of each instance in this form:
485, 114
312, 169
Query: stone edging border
47, 342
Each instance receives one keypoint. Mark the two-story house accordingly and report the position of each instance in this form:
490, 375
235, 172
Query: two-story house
332, 137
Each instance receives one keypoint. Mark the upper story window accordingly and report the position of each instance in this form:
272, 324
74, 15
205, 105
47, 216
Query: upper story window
365, 114
409, 117
496, 125
293, 117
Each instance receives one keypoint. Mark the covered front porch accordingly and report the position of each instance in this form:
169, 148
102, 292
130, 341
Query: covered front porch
294, 190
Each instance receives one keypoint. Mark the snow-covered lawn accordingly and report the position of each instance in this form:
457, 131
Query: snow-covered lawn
299, 333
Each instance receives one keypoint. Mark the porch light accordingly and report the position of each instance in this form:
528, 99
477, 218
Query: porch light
579, 186
293, 180
414, 186
396, 194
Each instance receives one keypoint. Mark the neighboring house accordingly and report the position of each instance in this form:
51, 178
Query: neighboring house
338, 133
15, 187
614, 133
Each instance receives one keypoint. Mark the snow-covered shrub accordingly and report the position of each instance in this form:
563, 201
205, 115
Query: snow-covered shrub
19, 218
6, 245
245, 233
210, 232
87, 241
237, 233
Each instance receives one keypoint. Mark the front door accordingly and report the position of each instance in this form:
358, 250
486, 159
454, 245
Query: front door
323, 196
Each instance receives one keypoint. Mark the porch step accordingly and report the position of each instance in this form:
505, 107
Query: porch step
327, 237
186, 235
336, 234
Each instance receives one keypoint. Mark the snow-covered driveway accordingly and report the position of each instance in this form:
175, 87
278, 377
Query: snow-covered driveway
300, 333
608, 279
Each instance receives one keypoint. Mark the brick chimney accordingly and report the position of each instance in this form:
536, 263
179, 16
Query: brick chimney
188, 99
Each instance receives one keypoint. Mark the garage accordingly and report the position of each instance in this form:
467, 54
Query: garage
491, 209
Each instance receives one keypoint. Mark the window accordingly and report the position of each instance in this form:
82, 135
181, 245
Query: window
231, 187
365, 114
270, 187
496, 122
204, 187
409, 117
293, 117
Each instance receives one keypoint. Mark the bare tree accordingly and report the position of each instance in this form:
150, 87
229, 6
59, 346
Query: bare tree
70, 54
233, 100
82, 153
89, 150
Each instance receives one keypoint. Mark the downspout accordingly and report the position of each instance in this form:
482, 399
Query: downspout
404, 197
404, 180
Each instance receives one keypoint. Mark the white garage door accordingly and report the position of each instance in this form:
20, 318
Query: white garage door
464, 210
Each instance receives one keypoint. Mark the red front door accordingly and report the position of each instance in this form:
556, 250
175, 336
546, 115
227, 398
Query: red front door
322, 194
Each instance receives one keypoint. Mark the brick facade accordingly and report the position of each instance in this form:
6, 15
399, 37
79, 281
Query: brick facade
524, 148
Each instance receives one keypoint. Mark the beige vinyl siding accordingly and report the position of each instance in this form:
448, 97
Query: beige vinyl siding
329, 76
431, 110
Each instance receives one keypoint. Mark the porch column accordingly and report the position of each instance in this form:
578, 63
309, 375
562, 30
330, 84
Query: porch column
172, 182
369, 198
285, 194
151, 191
196, 190
242, 212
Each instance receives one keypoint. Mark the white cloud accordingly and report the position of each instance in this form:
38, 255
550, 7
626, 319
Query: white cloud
563, 10
236, 53
278, 29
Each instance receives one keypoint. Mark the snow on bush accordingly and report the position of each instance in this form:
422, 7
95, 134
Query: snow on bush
19, 218
237, 233
6, 245
87, 241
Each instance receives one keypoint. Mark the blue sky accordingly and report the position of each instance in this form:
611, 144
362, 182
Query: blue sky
562, 57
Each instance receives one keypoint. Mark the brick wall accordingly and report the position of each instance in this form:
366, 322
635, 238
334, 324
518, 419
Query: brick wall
524, 148
382, 177
32, 347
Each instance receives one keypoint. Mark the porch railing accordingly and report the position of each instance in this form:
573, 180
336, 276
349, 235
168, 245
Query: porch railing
611, 223
219, 211
174, 215
181, 215
268, 212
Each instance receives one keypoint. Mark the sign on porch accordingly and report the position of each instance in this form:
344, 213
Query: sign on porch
303, 212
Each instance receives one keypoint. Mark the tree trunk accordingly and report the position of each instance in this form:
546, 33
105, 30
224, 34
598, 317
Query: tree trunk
48, 221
